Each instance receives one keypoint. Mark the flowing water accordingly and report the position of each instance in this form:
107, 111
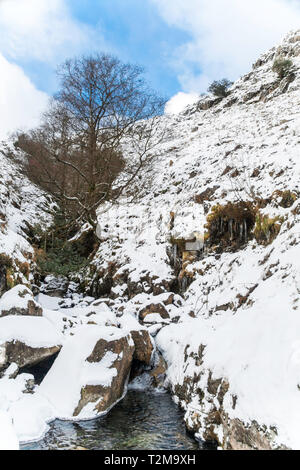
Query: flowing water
142, 420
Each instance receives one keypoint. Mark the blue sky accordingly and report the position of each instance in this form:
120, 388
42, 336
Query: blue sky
183, 44
137, 33
133, 30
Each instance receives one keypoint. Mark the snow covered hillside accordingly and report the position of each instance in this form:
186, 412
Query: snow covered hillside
21, 205
234, 367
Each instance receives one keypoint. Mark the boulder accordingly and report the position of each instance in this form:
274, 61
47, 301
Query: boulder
143, 345
154, 308
26, 341
90, 374
19, 301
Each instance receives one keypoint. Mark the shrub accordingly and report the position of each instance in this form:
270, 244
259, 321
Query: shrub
220, 87
282, 67
285, 198
54, 254
267, 228
61, 259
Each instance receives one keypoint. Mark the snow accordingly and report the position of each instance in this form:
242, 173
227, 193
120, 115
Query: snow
31, 415
17, 297
36, 332
49, 303
65, 319
12, 390
8, 438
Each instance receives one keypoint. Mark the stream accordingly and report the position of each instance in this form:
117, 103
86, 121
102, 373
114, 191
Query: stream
142, 420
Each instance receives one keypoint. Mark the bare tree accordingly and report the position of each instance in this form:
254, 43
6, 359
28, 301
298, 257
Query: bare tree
77, 152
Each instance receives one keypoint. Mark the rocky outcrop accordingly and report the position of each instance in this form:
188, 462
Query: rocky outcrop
19, 301
202, 396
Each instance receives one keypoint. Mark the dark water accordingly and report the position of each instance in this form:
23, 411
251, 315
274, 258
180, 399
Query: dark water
143, 420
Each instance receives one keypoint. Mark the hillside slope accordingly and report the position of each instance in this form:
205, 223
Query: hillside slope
233, 353
22, 205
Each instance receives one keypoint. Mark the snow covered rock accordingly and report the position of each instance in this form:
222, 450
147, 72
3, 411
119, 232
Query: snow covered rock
90, 374
55, 286
27, 340
153, 308
143, 345
19, 301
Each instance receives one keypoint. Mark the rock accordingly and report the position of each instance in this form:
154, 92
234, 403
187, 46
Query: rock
142, 341
24, 355
158, 374
55, 286
90, 374
202, 396
2, 279
19, 301
154, 308
26, 341
103, 396
12, 371
143, 346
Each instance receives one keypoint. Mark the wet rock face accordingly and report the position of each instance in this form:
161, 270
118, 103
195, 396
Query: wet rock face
105, 397
19, 301
24, 355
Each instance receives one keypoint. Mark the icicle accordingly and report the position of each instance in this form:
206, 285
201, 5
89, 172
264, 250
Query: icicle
174, 252
230, 229
245, 230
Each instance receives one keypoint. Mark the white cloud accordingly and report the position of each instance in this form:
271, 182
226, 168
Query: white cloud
227, 36
43, 30
178, 102
20, 102
35, 30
